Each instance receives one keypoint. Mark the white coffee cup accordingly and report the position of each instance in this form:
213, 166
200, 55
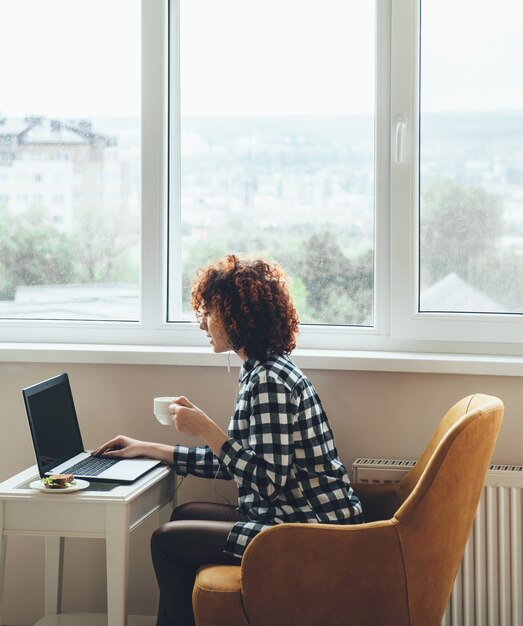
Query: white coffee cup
161, 410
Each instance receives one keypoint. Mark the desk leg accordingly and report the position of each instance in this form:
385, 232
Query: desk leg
164, 514
54, 559
3, 549
117, 554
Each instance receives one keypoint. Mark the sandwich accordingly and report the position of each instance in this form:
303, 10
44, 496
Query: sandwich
58, 481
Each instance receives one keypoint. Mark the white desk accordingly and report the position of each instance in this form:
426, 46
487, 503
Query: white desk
106, 511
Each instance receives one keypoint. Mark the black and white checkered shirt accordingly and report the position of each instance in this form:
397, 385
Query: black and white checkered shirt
280, 452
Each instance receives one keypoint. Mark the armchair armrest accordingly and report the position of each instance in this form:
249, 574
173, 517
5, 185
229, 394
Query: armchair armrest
349, 575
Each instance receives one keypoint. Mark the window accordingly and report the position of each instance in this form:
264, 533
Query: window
471, 158
372, 148
456, 191
277, 148
71, 95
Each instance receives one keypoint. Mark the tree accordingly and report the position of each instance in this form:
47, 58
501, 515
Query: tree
327, 287
501, 281
459, 227
102, 248
340, 290
32, 252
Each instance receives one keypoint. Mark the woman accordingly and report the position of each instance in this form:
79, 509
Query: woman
279, 448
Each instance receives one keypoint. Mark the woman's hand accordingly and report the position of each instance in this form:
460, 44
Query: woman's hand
121, 446
127, 448
190, 420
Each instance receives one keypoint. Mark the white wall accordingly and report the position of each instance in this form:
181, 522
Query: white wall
372, 414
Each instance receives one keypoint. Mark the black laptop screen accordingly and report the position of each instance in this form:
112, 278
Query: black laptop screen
53, 422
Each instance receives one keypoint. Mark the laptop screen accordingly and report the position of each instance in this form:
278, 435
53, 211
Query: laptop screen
53, 422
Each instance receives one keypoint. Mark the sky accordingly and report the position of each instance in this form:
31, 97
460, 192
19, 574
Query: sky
472, 55
71, 58
81, 58
278, 57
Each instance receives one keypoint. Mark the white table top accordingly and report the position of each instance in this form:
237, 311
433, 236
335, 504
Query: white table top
91, 512
17, 487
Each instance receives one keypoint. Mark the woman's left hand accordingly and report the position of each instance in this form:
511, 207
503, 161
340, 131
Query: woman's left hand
190, 420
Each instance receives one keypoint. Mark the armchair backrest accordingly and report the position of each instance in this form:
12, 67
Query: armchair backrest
411, 478
434, 521
381, 501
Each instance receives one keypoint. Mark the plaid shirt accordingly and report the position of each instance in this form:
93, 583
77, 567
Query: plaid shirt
280, 453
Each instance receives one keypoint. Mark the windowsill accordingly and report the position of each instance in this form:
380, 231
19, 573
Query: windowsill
359, 360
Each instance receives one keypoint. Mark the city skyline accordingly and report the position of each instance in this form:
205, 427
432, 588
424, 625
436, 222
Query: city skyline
306, 174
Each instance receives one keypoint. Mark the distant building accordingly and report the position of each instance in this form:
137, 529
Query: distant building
452, 293
61, 166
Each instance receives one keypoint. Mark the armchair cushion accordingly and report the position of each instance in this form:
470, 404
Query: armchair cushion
217, 597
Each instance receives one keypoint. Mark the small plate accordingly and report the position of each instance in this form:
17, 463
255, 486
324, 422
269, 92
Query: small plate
80, 484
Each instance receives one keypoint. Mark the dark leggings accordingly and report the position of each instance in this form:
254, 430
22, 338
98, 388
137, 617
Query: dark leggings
195, 536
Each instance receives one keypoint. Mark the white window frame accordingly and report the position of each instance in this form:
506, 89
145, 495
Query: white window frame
398, 325
497, 333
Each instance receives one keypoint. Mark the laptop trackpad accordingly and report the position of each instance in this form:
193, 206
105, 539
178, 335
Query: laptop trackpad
128, 468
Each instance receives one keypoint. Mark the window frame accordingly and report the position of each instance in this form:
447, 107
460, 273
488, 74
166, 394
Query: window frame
496, 332
398, 324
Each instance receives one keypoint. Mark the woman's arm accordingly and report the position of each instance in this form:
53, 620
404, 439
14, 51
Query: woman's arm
191, 420
127, 448
198, 460
188, 419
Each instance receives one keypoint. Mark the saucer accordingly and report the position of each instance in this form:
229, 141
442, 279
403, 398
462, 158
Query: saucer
78, 486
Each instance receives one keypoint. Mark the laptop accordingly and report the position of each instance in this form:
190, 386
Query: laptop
58, 443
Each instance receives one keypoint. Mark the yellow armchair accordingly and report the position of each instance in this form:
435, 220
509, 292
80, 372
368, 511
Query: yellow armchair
394, 572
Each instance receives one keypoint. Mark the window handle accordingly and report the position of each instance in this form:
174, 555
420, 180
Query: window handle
401, 127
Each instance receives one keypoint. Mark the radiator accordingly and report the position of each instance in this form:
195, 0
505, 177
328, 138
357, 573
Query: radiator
488, 590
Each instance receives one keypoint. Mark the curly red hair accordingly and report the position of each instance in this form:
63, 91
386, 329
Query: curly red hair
252, 301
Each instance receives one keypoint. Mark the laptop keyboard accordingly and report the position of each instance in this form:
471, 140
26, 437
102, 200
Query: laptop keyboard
91, 466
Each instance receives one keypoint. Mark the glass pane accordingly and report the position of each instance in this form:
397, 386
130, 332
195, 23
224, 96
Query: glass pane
471, 205
277, 147
70, 159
